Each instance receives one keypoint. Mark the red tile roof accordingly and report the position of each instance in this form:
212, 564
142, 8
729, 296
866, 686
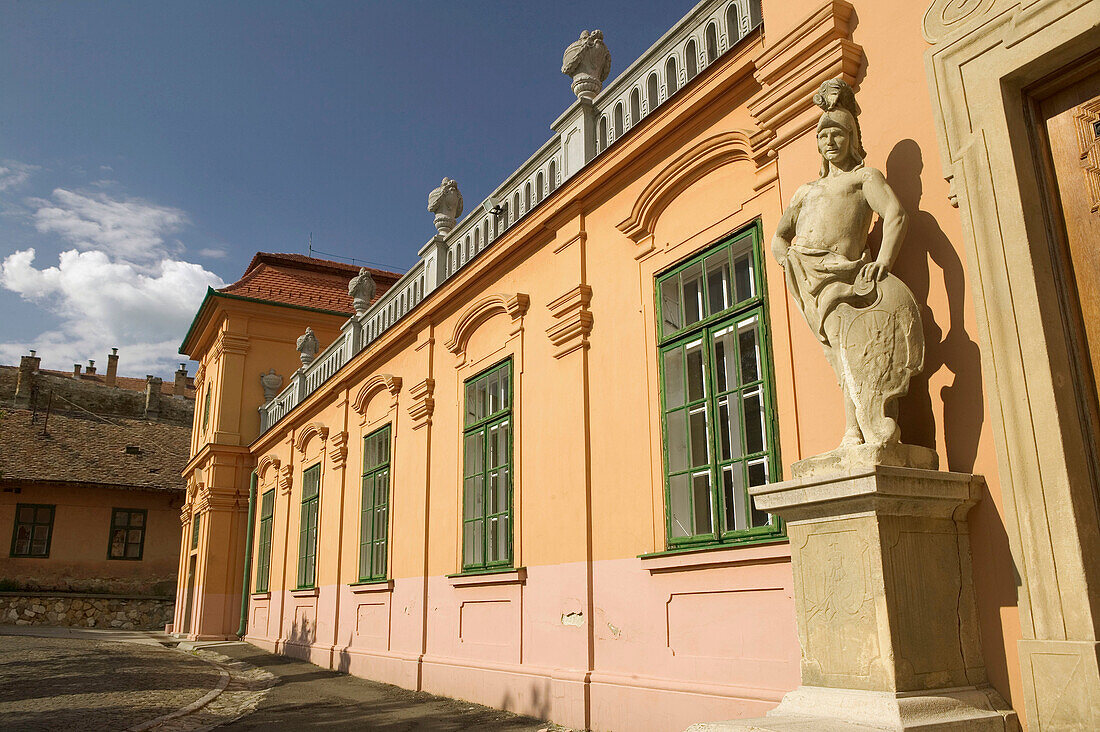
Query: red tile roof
93, 451
295, 279
130, 383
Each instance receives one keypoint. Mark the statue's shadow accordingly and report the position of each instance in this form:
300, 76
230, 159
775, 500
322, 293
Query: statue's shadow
925, 254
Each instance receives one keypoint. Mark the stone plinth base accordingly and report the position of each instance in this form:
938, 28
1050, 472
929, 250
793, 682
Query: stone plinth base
883, 596
816, 709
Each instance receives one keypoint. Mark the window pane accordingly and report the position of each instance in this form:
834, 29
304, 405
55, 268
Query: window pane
118, 543
41, 533
733, 494
133, 551
679, 499
676, 424
364, 559
475, 453
670, 305
137, 518
758, 475
729, 430
674, 378
754, 423
491, 540
505, 387
742, 268
700, 447
379, 524
43, 515
492, 393
474, 496
696, 380
378, 564
701, 498
479, 542
480, 398
134, 536
26, 514
725, 358
38, 548
692, 279
749, 340
718, 282
22, 547
500, 543
382, 488
471, 404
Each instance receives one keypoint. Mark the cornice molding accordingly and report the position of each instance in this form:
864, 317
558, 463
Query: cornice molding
687, 168
515, 306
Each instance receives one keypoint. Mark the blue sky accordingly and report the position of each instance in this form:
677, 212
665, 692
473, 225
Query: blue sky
147, 150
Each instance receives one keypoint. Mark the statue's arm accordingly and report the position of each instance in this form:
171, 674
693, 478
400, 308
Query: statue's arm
784, 232
882, 200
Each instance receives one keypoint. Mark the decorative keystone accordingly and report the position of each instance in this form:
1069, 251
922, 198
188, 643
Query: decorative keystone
308, 346
588, 62
446, 203
361, 289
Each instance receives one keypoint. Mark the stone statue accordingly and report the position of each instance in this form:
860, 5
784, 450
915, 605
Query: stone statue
272, 383
308, 346
866, 318
588, 62
361, 289
446, 203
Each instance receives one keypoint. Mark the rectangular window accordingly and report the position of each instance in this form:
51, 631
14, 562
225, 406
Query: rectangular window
719, 432
33, 530
263, 545
374, 511
195, 532
127, 533
487, 470
307, 540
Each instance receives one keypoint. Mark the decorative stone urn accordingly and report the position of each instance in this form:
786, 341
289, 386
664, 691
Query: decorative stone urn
308, 346
361, 289
588, 62
880, 549
272, 383
446, 203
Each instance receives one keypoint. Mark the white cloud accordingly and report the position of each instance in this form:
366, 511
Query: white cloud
103, 303
14, 173
213, 253
129, 230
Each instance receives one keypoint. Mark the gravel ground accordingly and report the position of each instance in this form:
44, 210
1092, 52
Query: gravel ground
70, 684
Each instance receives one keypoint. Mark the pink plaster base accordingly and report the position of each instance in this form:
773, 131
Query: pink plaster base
674, 640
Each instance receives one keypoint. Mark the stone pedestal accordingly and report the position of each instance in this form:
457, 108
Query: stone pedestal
884, 603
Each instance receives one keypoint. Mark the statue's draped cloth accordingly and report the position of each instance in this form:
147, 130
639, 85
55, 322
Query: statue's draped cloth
820, 279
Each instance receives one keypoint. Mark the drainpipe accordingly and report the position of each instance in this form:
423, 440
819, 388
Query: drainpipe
246, 585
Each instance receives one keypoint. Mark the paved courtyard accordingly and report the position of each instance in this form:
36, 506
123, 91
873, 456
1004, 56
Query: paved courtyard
112, 680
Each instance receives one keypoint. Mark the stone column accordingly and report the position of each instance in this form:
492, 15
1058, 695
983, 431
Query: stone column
884, 603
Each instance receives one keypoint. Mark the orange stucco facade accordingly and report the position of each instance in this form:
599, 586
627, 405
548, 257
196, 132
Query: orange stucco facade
593, 624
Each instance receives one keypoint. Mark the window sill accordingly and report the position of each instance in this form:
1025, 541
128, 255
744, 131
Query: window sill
516, 576
359, 588
260, 596
777, 549
304, 592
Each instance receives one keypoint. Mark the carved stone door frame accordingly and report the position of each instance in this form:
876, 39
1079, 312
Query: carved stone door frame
985, 56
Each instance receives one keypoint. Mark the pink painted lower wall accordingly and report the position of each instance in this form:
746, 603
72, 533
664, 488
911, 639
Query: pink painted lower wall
666, 642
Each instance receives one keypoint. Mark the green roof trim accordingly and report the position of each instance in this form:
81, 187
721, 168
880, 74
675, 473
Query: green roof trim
212, 293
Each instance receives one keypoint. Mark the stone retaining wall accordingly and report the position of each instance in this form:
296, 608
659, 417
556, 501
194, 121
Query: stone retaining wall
86, 610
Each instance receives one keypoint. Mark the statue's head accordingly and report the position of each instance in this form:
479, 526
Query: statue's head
838, 141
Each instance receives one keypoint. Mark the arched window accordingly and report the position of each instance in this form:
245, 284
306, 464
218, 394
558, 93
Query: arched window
527, 196
712, 43
618, 120
651, 92
516, 212
553, 175
732, 31
635, 107
691, 59
671, 75
538, 187
603, 133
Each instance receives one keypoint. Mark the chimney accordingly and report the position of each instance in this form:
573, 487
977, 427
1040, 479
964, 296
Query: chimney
181, 381
90, 371
76, 371
152, 396
24, 386
112, 367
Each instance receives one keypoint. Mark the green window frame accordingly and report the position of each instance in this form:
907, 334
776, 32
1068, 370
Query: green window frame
127, 539
32, 532
375, 506
307, 535
717, 398
195, 531
263, 543
487, 470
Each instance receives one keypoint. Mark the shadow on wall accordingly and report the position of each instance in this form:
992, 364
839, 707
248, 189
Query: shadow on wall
539, 705
928, 253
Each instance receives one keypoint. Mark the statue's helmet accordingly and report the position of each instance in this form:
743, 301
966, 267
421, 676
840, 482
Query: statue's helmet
845, 120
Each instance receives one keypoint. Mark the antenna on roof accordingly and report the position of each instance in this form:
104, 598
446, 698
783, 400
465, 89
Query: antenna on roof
311, 243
